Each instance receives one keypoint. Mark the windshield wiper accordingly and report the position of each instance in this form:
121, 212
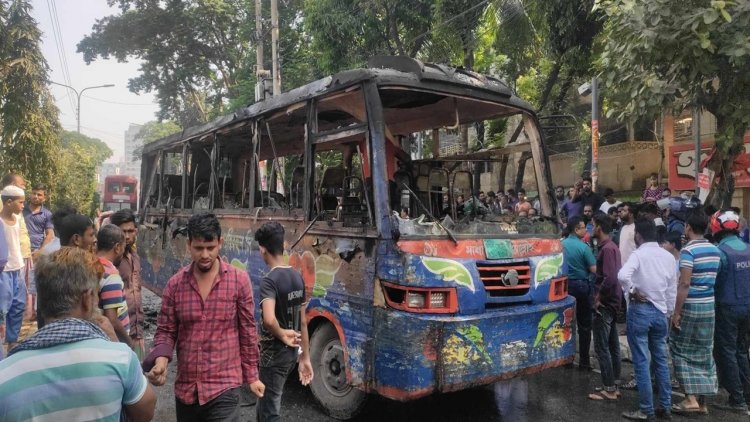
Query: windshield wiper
429, 214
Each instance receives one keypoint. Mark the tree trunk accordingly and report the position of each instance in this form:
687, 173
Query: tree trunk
551, 81
521, 170
729, 143
503, 170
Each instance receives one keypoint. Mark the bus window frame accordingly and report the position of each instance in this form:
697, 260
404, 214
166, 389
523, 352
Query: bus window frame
316, 140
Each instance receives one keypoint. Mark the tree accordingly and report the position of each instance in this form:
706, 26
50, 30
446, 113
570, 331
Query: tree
154, 130
670, 54
75, 184
191, 51
198, 56
345, 33
28, 116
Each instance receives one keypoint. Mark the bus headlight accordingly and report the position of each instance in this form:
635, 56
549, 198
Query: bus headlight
438, 300
415, 299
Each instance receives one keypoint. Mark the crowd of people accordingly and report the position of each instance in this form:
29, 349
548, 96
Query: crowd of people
494, 203
681, 290
87, 359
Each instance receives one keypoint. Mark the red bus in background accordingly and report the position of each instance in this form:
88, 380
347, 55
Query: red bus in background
120, 192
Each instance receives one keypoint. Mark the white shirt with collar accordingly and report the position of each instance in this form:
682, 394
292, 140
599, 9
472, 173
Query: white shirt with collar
650, 269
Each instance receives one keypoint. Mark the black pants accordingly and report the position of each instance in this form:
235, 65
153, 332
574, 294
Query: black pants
583, 291
274, 370
225, 407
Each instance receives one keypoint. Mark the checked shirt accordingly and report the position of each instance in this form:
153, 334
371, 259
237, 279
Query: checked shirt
217, 340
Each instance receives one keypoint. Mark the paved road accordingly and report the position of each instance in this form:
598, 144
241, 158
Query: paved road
558, 394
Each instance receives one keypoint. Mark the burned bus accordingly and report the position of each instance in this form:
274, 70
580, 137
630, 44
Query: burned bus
410, 293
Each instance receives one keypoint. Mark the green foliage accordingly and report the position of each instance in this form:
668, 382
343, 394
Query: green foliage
75, 183
345, 33
28, 116
154, 130
674, 54
191, 51
97, 150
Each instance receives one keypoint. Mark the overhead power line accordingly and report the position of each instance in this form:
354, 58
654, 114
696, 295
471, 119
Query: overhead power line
57, 35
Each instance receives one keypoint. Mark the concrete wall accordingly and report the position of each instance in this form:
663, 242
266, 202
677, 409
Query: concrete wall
622, 167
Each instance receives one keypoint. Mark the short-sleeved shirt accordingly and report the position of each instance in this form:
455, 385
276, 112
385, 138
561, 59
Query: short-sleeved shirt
37, 223
572, 209
578, 256
704, 259
80, 381
111, 295
12, 239
284, 285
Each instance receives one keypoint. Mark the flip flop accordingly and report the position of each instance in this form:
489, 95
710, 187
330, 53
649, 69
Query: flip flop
599, 389
598, 396
681, 409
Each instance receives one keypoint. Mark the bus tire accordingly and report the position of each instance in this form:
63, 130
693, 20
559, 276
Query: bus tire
340, 399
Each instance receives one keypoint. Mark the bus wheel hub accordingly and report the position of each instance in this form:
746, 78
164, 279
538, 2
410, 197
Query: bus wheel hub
335, 375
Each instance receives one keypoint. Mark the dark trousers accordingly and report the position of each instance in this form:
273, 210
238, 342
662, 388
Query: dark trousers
607, 346
582, 290
274, 370
225, 407
731, 351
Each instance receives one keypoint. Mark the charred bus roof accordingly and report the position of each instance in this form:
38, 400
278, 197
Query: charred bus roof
383, 70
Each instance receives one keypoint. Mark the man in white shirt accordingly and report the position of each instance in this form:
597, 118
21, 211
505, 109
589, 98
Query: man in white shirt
609, 201
627, 232
649, 281
12, 285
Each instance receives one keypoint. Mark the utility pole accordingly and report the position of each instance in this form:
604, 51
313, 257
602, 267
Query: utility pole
275, 47
697, 140
594, 133
260, 73
258, 36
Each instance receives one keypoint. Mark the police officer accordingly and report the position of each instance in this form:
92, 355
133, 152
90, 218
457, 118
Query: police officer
732, 311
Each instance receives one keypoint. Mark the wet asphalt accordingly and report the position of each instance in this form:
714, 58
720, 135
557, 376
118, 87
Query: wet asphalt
558, 394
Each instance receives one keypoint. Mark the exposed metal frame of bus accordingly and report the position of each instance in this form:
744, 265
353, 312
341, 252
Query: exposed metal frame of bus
429, 80
378, 171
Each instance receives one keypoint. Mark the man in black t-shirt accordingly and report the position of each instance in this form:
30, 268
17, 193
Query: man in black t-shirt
284, 328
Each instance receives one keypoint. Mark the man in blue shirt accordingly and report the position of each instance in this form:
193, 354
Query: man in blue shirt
732, 311
38, 218
39, 223
581, 266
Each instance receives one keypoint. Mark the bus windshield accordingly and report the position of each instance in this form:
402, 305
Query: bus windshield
475, 167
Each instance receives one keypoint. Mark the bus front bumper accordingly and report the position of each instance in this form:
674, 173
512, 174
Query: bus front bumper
417, 354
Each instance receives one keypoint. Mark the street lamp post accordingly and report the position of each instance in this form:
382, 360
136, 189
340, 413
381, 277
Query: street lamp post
78, 99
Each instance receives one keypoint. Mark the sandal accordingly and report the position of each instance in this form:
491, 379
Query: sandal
682, 409
601, 396
599, 389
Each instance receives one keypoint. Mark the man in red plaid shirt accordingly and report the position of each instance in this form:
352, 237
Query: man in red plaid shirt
207, 311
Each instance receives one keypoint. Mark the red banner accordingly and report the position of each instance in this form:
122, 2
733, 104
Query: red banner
682, 165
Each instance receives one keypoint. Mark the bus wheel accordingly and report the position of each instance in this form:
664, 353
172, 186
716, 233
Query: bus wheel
329, 386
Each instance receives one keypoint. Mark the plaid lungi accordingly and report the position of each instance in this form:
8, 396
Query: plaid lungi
692, 348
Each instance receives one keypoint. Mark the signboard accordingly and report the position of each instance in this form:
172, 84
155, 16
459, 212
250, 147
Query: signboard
682, 165
704, 184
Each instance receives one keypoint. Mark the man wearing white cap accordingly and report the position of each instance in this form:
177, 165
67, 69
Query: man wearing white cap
12, 285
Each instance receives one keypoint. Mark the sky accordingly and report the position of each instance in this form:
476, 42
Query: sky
106, 113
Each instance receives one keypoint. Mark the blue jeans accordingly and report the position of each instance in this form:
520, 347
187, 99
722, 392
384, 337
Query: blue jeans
12, 303
583, 291
730, 351
607, 346
274, 370
647, 338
